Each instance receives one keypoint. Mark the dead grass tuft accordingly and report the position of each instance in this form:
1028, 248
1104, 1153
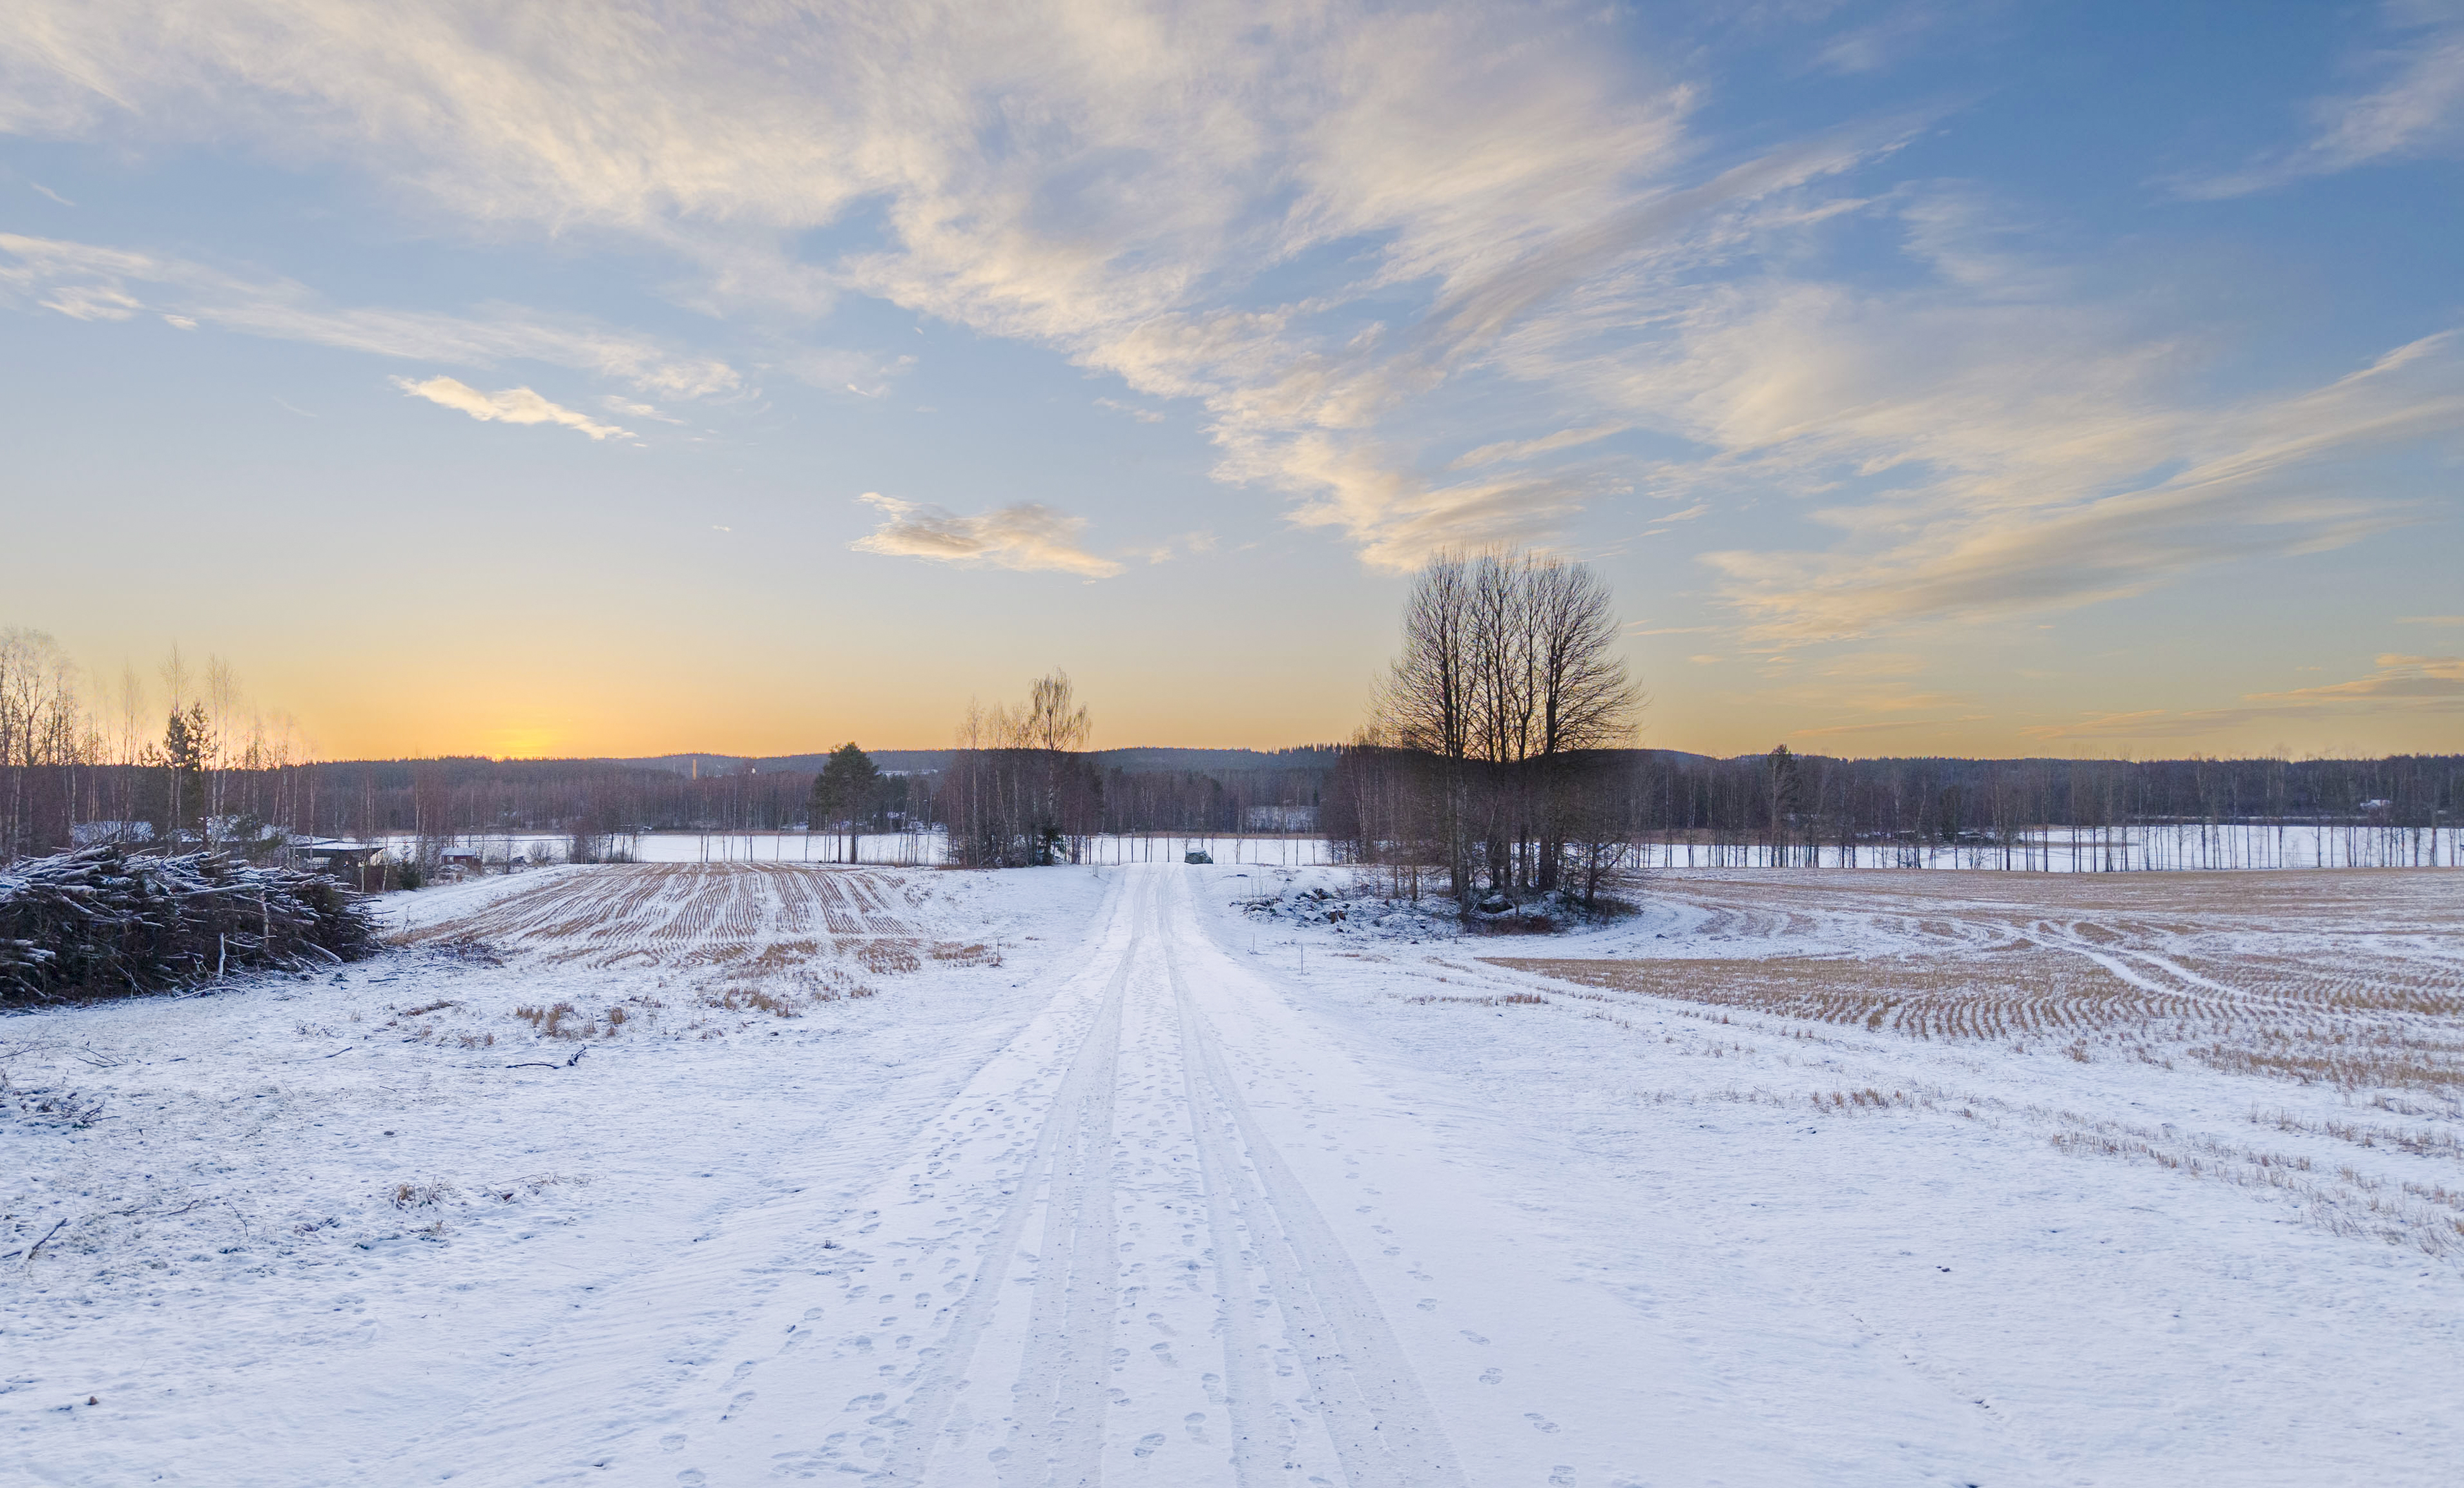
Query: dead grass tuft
887, 958
551, 1022
751, 1000
1526, 999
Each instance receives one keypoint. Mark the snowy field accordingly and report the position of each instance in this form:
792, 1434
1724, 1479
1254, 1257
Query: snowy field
718, 1173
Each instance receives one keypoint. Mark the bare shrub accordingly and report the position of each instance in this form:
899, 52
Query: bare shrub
753, 999
550, 1022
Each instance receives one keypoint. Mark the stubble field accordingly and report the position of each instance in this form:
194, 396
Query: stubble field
1820, 1177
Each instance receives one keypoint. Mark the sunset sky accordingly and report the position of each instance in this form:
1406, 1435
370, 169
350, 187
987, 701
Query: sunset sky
590, 378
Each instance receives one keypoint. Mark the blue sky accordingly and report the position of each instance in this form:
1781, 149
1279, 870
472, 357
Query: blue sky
1981, 378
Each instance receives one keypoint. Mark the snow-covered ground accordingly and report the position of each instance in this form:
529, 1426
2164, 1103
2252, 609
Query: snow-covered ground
1163, 1174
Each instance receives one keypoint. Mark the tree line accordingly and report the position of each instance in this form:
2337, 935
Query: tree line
1493, 764
1494, 770
76, 750
1629, 808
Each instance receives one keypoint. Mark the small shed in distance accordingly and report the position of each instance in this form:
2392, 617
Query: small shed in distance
353, 862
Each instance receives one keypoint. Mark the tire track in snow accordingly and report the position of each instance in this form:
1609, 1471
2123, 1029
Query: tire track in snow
1058, 1438
1236, 1235
1084, 1099
1384, 1432
1282, 1280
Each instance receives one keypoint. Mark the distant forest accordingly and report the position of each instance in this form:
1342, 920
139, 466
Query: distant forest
43, 805
1426, 782
1782, 797
1802, 808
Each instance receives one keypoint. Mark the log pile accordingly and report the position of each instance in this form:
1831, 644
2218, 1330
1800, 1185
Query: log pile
101, 922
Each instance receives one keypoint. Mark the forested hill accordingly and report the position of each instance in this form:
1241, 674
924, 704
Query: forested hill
1140, 760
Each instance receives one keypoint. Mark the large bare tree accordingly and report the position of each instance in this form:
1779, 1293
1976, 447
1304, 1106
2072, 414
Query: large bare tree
1508, 664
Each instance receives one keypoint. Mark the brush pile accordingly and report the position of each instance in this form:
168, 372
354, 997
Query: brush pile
99, 923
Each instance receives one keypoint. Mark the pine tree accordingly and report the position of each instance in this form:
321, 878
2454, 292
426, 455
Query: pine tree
842, 790
188, 744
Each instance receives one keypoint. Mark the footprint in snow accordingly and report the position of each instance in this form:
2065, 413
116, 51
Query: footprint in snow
1539, 1422
1146, 1445
1492, 1376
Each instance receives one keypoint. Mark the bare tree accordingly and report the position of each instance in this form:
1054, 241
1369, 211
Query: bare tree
1585, 700
1019, 791
1508, 665
1052, 718
39, 742
1425, 703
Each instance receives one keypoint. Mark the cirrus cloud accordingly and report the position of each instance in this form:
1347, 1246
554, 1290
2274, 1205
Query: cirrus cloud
1332, 229
89, 282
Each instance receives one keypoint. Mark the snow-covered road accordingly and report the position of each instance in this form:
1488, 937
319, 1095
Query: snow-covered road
1174, 1235
1238, 1175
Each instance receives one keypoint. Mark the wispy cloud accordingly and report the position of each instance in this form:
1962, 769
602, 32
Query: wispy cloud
512, 406
1479, 200
2417, 110
1187, 544
2276, 476
2396, 685
632, 409
1142, 415
1027, 536
1526, 448
2403, 680
1888, 726
1101, 182
91, 282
